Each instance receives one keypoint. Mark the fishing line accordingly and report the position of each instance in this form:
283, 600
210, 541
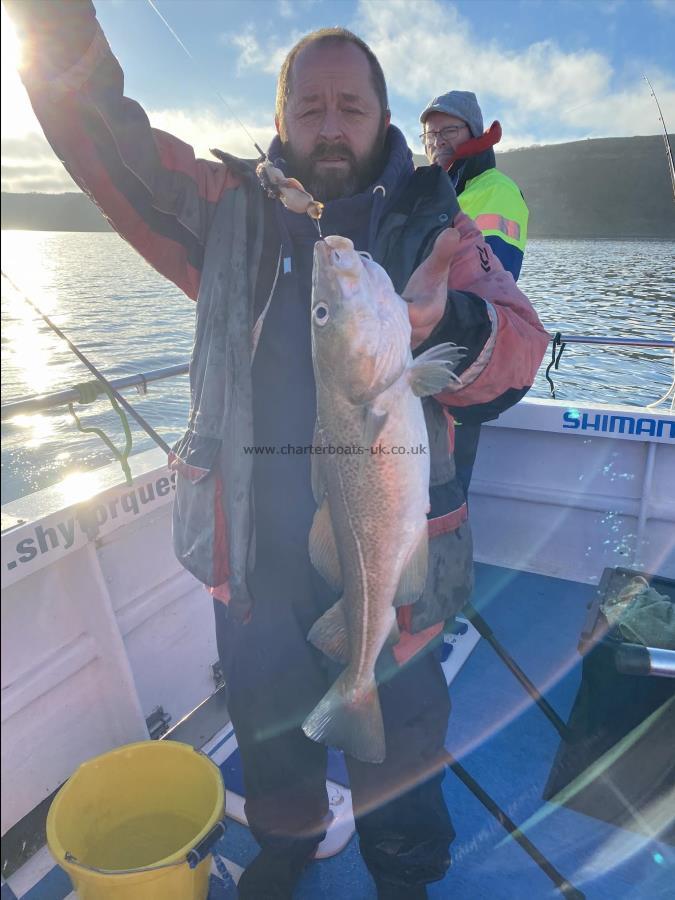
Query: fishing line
666, 138
92, 368
206, 77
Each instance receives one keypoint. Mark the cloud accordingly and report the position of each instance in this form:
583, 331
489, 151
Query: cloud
541, 93
203, 131
667, 7
30, 164
540, 89
253, 53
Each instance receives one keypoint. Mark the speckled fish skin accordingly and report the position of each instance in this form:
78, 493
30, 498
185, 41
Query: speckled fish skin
372, 503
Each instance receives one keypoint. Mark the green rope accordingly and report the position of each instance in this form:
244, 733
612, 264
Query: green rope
89, 391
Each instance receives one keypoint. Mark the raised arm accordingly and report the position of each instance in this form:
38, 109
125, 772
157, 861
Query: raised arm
147, 183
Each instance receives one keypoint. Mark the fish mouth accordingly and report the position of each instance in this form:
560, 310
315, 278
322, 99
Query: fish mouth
335, 260
321, 252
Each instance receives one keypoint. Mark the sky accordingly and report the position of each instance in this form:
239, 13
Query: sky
549, 70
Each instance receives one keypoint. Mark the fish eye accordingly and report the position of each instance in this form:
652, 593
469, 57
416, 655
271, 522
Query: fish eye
321, 314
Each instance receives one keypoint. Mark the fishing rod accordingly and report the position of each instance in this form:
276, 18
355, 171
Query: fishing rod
207, 79
666, 141
273, 181
92, 368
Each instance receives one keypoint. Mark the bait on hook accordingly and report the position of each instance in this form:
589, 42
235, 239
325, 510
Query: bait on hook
289, 190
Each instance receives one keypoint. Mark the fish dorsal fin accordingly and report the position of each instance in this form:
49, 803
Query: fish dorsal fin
433, 370
414, 575
323, 548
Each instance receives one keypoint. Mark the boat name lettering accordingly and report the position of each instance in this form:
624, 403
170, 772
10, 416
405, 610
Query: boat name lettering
615, 424
61, 535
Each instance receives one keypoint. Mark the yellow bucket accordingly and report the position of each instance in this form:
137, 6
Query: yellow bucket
138, 823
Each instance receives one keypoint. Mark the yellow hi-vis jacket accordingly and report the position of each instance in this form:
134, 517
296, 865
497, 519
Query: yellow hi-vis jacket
494, 202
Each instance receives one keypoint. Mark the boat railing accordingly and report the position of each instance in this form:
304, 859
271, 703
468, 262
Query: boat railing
654, 343
41, 402
140, 381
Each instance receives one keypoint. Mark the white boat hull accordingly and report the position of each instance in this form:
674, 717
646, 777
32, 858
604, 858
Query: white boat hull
98, 631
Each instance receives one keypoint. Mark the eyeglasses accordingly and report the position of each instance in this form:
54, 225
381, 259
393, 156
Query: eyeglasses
445, 134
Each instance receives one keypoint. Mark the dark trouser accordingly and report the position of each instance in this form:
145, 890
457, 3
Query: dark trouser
274, 678
466, 447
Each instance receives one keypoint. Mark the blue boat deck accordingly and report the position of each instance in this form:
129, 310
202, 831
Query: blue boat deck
508, 746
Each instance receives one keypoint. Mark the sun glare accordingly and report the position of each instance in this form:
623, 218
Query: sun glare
30, 346
18, 118
79, 486
11, 49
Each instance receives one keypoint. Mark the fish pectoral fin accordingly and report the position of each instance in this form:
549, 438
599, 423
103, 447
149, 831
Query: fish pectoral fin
323, 548
350, 720
434, 369
414, 575
329, 633
373, 423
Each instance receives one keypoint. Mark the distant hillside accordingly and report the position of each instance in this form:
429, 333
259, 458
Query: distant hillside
52, 212
605, 188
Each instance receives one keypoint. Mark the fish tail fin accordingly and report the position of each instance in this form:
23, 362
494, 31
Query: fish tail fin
350, 721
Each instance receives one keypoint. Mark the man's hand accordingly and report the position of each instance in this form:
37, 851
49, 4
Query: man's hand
427, 289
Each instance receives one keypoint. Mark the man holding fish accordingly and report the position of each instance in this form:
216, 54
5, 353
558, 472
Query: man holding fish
307, 343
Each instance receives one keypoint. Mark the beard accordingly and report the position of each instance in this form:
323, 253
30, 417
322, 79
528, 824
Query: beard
334, 185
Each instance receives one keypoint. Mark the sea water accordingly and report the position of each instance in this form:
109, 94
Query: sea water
128, 319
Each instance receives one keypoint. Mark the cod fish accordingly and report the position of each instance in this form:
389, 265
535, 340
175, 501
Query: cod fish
370, 477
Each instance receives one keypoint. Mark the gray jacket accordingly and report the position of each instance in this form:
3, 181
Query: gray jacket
213, 520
